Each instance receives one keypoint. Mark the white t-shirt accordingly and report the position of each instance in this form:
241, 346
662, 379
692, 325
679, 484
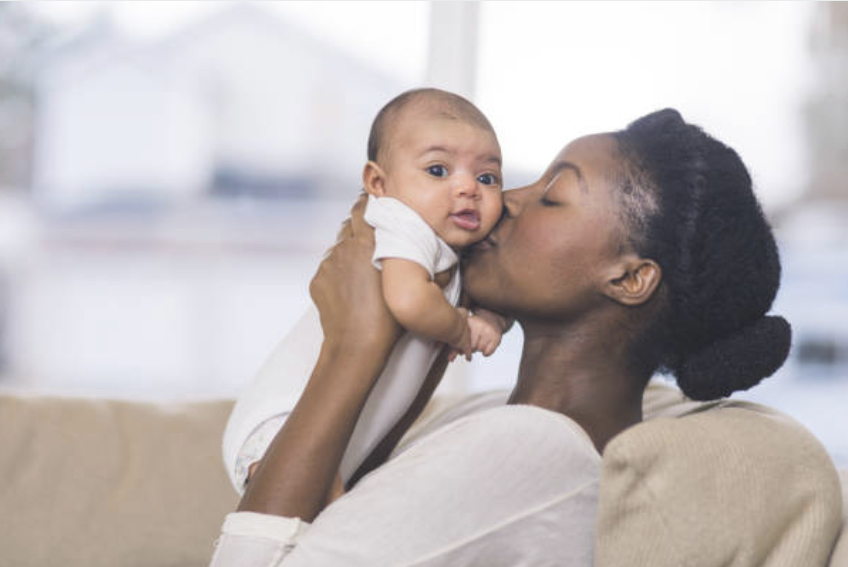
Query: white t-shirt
504, 486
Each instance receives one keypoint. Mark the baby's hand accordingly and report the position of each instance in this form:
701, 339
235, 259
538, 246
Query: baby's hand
485, 335
462, 343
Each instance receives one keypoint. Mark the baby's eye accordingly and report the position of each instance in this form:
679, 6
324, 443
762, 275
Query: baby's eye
437, 170
488, 179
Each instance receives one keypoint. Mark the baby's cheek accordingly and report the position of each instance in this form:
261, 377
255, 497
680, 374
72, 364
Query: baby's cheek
492, 211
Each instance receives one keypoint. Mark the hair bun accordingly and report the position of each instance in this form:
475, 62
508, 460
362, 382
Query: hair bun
736, 362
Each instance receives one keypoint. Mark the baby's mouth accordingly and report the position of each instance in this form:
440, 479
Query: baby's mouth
467, 219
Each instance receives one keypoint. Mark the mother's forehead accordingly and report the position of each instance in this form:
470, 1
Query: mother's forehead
592, 147
593, 156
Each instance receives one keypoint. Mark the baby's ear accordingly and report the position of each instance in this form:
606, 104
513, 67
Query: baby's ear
374, 179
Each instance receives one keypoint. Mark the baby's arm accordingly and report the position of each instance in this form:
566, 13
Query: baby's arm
419, 305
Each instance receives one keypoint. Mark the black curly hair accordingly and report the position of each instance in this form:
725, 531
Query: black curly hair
688, 204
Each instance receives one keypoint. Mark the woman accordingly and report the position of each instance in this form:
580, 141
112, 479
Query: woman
636, 251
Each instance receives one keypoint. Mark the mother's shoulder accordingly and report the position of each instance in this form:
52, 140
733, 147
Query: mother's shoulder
483, 415
660, 400
447, 408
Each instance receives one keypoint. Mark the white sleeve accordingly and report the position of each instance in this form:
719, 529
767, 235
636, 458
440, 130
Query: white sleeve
400, 232
249, 539
514, 485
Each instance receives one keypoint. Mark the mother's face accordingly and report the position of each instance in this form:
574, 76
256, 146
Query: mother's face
548, 255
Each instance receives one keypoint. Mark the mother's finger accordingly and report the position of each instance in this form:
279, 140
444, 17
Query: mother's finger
358, 226
345, 231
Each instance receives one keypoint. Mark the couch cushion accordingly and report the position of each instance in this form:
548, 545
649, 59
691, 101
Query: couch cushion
840, 552
110, 483
730, 483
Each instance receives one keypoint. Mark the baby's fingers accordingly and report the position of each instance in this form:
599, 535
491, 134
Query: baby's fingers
490, 345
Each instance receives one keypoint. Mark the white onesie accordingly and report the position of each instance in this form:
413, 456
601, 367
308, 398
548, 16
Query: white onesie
400, 232
262, 409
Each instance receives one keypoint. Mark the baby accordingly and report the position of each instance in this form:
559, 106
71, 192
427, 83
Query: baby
434, 185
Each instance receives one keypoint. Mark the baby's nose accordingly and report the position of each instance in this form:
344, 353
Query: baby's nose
467, 186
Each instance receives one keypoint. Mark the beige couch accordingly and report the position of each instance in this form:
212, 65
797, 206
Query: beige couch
108, 483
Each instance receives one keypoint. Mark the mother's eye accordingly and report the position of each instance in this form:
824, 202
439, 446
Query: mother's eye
437, 170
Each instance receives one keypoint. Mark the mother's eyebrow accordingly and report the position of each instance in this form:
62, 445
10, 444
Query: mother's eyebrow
561, 165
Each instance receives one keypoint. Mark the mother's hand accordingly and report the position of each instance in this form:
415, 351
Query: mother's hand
348, 293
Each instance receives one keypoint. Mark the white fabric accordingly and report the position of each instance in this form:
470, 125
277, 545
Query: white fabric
400, 232
261, 409
248, 538
507, 486
254, 448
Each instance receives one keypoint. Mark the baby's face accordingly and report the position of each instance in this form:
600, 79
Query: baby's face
449, 172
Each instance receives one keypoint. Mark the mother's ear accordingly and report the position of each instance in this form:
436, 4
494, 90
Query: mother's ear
633, 280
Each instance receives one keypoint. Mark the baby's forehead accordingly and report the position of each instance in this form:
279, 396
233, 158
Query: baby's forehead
433, 106
434, 110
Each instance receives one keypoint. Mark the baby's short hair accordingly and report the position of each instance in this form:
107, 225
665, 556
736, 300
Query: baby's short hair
445, 104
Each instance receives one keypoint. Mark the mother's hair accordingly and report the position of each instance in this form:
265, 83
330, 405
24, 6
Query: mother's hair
688, 204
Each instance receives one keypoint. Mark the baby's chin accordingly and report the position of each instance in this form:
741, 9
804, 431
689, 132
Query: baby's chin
459, 243
459, 238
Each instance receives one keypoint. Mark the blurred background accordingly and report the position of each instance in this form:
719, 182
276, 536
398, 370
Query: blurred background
171, 172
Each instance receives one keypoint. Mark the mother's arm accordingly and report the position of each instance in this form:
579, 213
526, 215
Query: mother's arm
297, 472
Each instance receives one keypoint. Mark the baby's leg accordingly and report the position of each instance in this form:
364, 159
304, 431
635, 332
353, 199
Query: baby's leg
402, 378
263, 407
261, 410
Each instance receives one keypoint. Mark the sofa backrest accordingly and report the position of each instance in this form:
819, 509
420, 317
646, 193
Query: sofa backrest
109, 483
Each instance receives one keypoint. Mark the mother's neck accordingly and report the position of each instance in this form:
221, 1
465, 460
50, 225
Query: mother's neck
581, 373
